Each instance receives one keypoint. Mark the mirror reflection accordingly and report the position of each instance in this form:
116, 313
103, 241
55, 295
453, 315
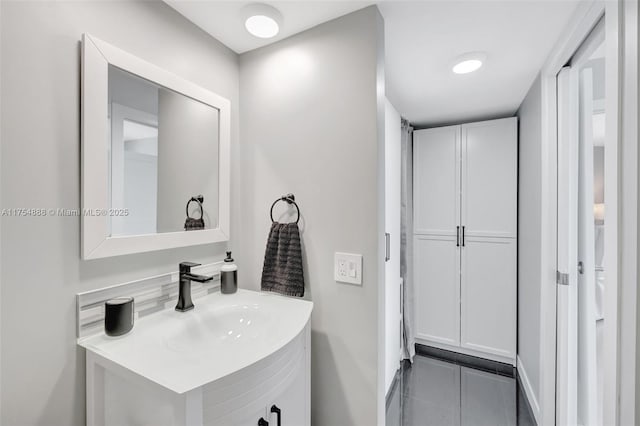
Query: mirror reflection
163, 158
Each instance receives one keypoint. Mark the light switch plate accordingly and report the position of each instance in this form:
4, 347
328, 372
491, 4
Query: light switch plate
348, 268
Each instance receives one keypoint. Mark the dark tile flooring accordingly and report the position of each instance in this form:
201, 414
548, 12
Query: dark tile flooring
434, 392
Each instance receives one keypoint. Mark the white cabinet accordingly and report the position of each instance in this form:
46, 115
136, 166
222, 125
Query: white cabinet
489, 187
116, 396
437, 288
465, 229
289, 402
436, 185
488, 296
278, 386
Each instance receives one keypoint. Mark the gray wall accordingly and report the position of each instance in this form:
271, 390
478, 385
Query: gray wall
310, 125
132, 91
529, 233
187, 160
42, 369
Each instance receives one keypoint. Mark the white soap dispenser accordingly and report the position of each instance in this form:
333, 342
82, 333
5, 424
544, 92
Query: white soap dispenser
228, 276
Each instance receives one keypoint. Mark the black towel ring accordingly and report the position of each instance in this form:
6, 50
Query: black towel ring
290, 199
198, 199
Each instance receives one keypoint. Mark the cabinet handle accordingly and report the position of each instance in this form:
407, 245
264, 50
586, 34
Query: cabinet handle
387, 246
457, 236
463, 236
263, 422
275, 409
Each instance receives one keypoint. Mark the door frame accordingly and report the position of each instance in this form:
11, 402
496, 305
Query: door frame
621, 23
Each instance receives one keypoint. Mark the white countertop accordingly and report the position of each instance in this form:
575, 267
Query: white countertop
221, 335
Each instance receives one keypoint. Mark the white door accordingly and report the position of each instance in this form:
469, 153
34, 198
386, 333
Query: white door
587, 373
436, 196
488, 219
392, 201
581, 95
246, 416
290, 404
567, 249
489, 178
436, 185
488, 296
437, 288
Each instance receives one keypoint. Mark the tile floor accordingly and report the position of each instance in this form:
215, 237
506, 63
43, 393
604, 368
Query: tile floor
433, 392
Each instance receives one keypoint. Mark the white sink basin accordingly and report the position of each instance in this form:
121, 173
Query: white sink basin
229, 324
223, 334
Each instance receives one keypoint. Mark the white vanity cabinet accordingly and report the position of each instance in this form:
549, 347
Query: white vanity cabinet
226, 363
116, 397
282, 381
465, 237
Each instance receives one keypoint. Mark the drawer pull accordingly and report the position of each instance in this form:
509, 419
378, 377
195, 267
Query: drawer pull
275, 409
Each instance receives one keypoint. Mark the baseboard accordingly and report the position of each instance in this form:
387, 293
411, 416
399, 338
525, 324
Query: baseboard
394, 383
465, 351
528, 390
478, 363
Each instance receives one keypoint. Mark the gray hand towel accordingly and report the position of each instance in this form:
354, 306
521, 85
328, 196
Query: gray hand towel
282, 270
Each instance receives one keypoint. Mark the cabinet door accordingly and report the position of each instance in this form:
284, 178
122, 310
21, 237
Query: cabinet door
282, 379
247, 417
488, 299
436, 186
292, 401
437, 288
490, 178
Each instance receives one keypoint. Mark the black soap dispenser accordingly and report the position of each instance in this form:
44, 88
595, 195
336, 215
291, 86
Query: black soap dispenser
228, 276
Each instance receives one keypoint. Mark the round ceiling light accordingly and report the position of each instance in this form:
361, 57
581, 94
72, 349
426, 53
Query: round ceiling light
262, 26
468, 66
469, 62
261, 20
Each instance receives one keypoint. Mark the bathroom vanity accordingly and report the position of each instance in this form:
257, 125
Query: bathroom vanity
233, 360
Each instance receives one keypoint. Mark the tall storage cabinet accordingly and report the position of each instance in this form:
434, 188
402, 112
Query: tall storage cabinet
465, 230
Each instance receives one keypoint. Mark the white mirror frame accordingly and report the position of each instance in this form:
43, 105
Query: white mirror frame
97, 55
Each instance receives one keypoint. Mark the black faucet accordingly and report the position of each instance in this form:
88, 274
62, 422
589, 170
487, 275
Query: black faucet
184, 297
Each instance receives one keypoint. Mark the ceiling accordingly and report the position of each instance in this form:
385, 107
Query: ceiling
223, 19
422, 39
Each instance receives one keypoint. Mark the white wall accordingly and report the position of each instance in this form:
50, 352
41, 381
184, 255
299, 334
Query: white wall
310, 125
529, 242
42, 271
392, 159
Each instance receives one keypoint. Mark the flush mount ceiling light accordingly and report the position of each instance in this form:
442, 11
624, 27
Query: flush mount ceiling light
469, 62
262, 20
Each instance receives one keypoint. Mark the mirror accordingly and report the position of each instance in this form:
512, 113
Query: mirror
163, 152
155, 157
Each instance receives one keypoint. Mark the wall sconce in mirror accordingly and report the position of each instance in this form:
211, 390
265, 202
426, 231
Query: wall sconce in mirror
149, 138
